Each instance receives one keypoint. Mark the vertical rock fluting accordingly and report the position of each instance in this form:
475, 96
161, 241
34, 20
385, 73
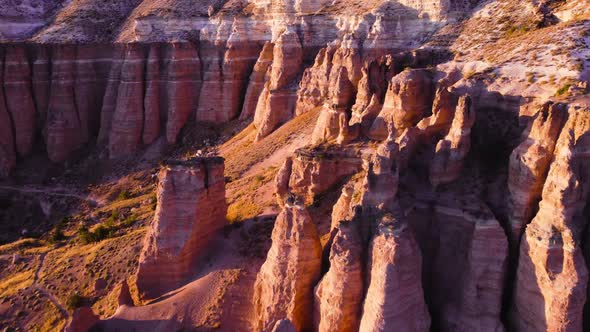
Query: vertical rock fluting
191, 210
7, 148
371, 92
529, 164
395, 299
257, 79
42, 83
313, 88
450, 152
19, 98
315, 172
552, 275
109, 100
152, 100
276, 103
332, 123
284, 285
338, 296
183, 82
382, 178
471, 240
408, 99
63, 126
127, 124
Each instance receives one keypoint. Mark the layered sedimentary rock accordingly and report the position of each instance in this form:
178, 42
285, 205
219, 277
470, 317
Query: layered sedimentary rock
470, 239
342, 210
282, 181
394, 299
338, 296
276, 103
552, 275
408, 99
191, 210
7, 151
19, 98
333, 121
529, 164
450, 152
128, 119
284, 285
315, 171
259, 75
371, 91
380, 185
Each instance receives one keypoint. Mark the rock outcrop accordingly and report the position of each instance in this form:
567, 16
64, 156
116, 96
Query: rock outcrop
276, 103
191, 210
395, 299
450, 152
316, 170
83, 320
529, 164
259, 76
7, 150
470, 239
338, 296
552, 275
408, 99
284, 285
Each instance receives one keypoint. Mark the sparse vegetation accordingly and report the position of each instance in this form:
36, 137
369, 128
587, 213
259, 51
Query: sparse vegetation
75, 301
123, 195
564, 90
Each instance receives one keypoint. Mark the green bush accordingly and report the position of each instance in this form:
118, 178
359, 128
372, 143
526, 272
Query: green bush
123, 195
563, 90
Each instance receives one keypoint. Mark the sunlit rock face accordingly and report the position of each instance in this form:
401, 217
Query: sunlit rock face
191, 210
552, 275
284, 285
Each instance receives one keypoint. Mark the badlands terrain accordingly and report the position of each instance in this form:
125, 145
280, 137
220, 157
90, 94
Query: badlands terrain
294, 165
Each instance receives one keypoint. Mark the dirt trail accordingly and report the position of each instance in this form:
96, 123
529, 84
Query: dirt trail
63, 192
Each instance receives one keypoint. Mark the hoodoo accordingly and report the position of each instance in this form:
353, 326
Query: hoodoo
191, 210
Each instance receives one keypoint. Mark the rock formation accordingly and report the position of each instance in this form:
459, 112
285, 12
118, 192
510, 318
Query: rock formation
257, 79
395, 299
7, 152
284, 325
284, 285
338, 296
19, 99
408, 99
468, 237
83, 320
552, 275
529, 164
276, 103
191, 210
315, 171
451, 151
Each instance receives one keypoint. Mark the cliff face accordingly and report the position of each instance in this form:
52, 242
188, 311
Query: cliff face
191, 210
284, 285
552, 275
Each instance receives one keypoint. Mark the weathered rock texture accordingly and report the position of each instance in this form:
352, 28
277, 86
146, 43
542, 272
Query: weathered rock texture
450, 152
315, 171
529, 164
408, 99
470, 239
338, 296
191, 210
276, 103
395, 299
552, 275
83, 320
284, 285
